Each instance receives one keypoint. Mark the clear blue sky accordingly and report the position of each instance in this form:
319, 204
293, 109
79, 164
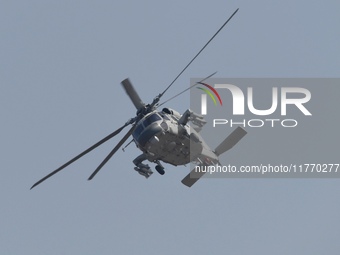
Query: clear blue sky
61, 63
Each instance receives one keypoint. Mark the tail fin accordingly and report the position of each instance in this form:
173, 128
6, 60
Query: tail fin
230, 141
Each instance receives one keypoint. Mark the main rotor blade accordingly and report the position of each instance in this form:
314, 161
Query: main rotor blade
132, 93
81, 154
192, 60
108, 157
186, 89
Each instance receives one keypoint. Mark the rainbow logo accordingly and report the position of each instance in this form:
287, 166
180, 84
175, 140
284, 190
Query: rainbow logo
209, 92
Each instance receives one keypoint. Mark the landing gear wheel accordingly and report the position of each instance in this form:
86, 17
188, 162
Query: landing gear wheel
160, 169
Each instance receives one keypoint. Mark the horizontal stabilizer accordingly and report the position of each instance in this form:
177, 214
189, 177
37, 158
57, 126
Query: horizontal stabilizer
230, 141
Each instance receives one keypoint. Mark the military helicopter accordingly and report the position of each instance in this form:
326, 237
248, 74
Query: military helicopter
164, 136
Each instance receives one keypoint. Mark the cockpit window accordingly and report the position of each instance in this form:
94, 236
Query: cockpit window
152, 118
141, 126
138, 130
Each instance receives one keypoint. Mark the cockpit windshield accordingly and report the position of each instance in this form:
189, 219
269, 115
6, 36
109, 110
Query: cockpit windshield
141, 126
150, 119
138, 130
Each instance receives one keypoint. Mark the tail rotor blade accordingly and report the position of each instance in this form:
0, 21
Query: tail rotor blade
230, 141
108, 157
189, 180
81, 154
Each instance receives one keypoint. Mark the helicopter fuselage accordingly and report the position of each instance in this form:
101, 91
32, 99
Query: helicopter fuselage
160, 137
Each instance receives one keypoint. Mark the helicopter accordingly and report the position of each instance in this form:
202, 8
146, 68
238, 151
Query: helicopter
164, 136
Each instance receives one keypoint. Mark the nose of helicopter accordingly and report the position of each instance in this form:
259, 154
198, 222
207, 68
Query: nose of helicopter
149, 134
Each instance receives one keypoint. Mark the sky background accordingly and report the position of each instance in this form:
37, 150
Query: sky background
61, 64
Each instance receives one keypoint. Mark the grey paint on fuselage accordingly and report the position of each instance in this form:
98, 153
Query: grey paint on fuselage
164, 139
